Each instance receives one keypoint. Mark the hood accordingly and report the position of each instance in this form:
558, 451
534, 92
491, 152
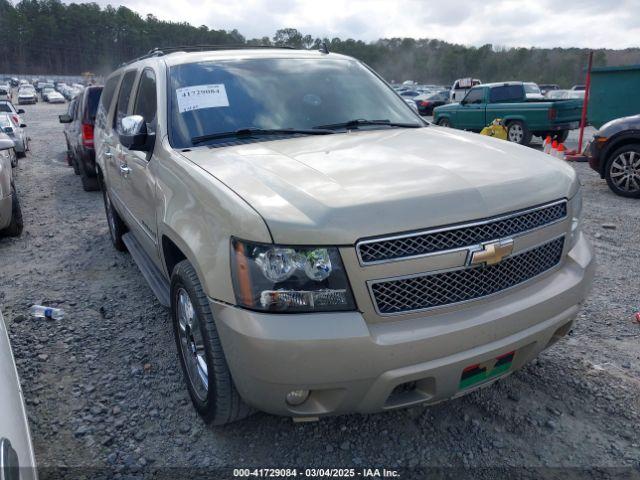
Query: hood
448, 106
335, 189
619, 124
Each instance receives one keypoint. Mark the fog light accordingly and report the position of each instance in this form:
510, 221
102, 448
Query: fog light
297, 397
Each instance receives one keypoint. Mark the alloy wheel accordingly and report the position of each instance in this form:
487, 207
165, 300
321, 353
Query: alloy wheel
192, 345
516, 133
625, 171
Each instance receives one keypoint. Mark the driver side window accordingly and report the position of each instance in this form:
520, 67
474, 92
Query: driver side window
475, 95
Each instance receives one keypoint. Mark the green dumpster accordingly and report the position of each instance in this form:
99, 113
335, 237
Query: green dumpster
615, 92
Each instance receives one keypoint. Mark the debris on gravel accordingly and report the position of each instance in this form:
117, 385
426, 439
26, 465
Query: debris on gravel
104, 388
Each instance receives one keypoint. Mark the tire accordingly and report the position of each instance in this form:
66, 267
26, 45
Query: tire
89, 183
444, 122
14, 159
560, 136
21, 154
74, 163
199, 347
622, 171
517, 132
69, 155
16, 225
117, 228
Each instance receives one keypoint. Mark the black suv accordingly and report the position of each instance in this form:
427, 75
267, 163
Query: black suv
79, 136
614, 152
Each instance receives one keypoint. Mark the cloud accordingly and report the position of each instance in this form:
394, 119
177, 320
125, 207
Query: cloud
544, 23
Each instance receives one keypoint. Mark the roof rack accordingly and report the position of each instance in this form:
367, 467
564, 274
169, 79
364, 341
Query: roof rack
161, 51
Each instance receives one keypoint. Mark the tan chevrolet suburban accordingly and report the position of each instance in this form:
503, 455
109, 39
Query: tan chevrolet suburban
323, 250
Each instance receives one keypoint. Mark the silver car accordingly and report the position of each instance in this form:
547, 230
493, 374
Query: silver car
15, 130
10, 213
16, 449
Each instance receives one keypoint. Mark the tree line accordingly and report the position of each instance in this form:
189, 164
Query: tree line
50, 37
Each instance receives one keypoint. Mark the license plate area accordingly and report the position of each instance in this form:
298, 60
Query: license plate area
484, 371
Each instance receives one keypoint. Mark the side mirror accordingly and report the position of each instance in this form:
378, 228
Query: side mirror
7, 130
20, 111
133, 133
23, 125
65, 118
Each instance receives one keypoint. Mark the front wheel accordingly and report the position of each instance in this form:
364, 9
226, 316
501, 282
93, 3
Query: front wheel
517, 132
200, 353
622, 171
444, 122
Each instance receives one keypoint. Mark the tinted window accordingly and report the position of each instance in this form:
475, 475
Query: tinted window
146, 102
105, 100
123, 97
507, 93
4, 107
223, 96
91, 108
475, 95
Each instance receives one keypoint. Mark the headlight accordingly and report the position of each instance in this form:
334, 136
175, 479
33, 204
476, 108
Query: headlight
278, 278
576, 216
5, 153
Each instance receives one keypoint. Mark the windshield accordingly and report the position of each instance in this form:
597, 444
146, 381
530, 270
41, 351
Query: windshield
224, 96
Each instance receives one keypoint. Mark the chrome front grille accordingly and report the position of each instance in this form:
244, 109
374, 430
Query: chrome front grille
424, 291
459, 236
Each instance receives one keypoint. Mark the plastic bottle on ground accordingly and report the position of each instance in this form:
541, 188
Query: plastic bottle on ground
39, 311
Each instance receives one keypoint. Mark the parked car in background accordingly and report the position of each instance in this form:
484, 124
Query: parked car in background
27, 95
428, 101
532, 91
17, 459
578, 87
394, 263
7, 106
548, 87
460, 88
44, 93
5, 93
614, 152
10, 225
507, 101
15, 130
78, 132
55, 97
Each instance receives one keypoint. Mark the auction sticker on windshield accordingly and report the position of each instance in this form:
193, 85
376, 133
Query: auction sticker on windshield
201, 96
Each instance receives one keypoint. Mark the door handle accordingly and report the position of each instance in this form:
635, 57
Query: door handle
124, 170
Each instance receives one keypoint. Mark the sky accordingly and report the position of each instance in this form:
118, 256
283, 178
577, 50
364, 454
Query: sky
544, 23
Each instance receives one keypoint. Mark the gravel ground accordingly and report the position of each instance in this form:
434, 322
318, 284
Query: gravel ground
103, 386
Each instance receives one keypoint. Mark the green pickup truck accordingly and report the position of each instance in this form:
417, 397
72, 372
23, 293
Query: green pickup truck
523, 117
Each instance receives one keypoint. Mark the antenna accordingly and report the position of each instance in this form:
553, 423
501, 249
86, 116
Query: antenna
323, 48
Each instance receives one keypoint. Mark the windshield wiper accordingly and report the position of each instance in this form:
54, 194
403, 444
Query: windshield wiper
248, 132
363, 122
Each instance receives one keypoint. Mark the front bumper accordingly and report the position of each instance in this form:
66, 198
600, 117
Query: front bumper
6, 211
26, 101
352, 366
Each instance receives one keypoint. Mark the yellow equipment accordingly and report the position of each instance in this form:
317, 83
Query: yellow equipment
495, 129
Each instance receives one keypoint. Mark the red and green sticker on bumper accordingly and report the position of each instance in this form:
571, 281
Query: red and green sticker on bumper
481, 372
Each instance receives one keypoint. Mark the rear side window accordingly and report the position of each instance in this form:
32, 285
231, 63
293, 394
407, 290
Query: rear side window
146, 98
91, 105
507, 93
105, 100
123, 97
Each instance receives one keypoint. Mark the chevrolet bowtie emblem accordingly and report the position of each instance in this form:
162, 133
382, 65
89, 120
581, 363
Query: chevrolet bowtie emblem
491, 253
